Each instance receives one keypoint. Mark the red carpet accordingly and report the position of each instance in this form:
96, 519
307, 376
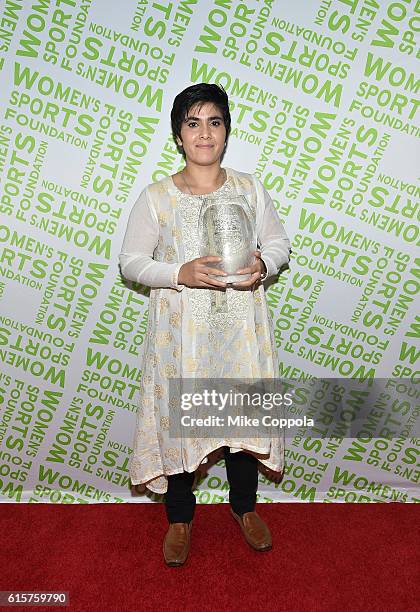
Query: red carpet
109, 557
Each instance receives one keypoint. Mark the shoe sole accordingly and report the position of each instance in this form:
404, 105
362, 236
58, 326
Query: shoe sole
174, 563
238, 520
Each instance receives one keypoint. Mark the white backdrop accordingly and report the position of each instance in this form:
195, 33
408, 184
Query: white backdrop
324, 97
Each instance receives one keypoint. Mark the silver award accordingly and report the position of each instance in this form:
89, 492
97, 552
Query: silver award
226, 230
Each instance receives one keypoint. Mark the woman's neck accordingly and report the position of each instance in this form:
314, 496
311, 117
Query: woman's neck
203, 178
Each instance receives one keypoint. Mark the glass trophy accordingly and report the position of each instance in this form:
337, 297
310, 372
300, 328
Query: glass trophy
226, 229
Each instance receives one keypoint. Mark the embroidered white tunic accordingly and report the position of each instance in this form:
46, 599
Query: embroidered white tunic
187, 337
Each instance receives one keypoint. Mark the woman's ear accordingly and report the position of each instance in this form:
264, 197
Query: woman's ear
179, 146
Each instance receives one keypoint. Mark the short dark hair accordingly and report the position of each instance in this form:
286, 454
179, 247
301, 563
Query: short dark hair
197, 95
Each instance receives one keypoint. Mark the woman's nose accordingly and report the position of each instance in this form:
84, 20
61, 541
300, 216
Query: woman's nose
205, 131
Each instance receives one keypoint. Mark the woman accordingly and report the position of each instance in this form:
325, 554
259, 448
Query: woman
187, 336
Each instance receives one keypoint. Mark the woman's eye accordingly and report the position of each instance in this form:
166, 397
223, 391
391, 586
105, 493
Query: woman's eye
192, 123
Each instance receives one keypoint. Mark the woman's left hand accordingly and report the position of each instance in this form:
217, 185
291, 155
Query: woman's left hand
256, 270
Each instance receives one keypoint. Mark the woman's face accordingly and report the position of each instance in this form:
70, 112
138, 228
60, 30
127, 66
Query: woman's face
203, 135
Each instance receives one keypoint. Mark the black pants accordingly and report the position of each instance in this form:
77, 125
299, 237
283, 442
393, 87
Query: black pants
242, 474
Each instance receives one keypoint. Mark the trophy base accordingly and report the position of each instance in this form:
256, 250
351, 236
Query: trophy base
231, 278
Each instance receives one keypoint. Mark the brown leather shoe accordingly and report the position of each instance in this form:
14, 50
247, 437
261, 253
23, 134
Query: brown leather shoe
176, 544
256, 532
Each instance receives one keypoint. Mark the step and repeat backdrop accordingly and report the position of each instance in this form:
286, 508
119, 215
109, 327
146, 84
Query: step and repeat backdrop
324, 97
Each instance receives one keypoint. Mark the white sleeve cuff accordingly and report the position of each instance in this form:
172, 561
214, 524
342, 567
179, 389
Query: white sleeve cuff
175, 273
270, 266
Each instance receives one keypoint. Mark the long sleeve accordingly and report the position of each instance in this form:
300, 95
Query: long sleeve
274, 244
140, 240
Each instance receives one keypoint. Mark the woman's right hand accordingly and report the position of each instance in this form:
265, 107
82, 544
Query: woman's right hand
195, 273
